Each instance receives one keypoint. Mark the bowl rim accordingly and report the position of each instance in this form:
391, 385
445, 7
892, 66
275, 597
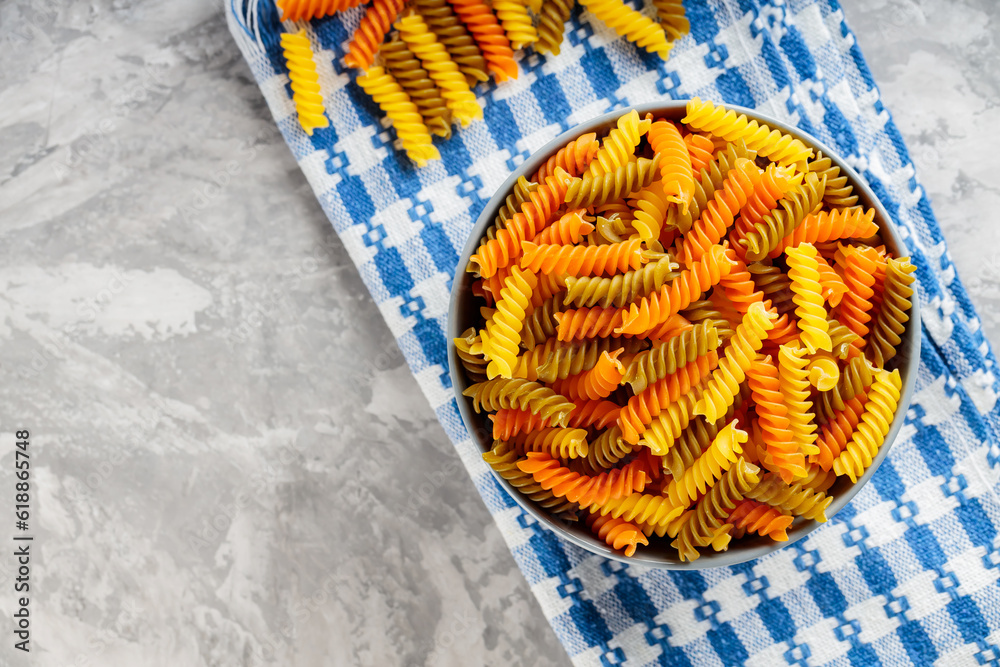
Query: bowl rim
749, 548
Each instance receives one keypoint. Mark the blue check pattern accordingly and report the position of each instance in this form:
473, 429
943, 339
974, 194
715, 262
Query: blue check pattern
908, 572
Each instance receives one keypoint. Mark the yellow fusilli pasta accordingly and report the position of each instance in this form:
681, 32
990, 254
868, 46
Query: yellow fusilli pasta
502, 334
740, 353
803, 270
883, 397
305, 81
402, 112
631, 24
704, 116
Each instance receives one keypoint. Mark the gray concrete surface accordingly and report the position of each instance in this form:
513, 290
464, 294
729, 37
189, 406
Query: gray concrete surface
224, 431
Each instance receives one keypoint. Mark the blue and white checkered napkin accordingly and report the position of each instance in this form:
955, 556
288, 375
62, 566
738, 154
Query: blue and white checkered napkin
907, 573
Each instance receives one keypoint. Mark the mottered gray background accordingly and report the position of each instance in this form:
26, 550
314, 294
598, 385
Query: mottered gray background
137, 157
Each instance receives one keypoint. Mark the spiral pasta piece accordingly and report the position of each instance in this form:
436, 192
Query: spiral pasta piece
739, 287
592, 190
893, 316
402, 112
582, 260
474, 364
620, 289
755, 517
772, 188
567, 230
832, 286
855, 378
597, 414
642, 508
793, 499
498, 393
675, 325
596, 383
701, 151
740, 353
643, 407
457, 41
513, 16
719, 300
844, 346
620, 535
768, 234
542, 324
617, 208
583, 489
650, 208
588, 323
708, 526
880, 269
573, 158
720, 213
489, 35
666, 357
696, 437
783, 453
619, 145
676, 174
663, 431
672, 18
608, 449
503, 459
441, 68
650, 311
510, 422
883, 398
549, 286
563, 443
704, 310
306, 93
803, 269
837, 432
818, 479
824, 371
793, 380
512, 204
859, 276
775, 286
555, 359
852, 223
632, 25
839, 193
552, 25
502, 335
718, 458
604, 322
707, 181
704, 116
534, 215
304, 10
406, 69
371, 32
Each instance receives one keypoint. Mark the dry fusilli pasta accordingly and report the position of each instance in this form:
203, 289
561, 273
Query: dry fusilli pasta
305, 81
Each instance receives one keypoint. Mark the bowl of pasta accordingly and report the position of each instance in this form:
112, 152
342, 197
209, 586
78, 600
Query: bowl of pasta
684, 335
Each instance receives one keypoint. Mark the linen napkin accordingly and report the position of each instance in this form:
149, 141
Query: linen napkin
907, 572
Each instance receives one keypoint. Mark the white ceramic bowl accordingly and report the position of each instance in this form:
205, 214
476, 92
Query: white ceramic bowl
464, 312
